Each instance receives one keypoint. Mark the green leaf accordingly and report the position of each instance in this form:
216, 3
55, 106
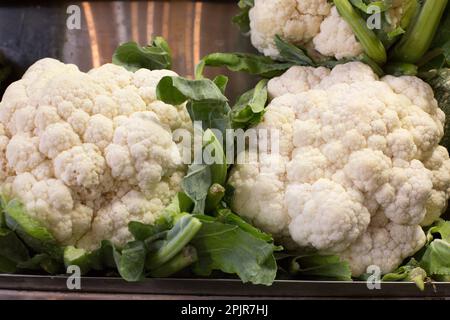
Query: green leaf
249, 108
180, 203
103, 257
291, 53
408, 272
11, 247
130, 261
436, 258
226, 247
206, 102
326, 266
227, 216
442, 228
155, 56
211, 114
196, 184
77, 257
177, 238
176, 90
31, 231
142, 231
7, 266
200, 177
247, 62
221, 82
42, 261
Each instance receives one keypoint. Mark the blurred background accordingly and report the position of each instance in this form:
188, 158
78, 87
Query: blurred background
31, 30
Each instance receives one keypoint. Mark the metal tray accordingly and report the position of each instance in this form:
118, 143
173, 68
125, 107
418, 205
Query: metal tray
30, 30
226, 287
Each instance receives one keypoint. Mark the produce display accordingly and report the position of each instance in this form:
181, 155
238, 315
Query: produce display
97, 170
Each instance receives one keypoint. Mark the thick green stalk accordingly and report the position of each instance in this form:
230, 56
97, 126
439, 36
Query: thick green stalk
215, 195
177, 238
185, 258
372, 46
417, 40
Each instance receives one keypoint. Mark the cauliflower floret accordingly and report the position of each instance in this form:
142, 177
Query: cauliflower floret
336, 38
324, 215
111, 76
142, 151
5, 170
99, 130
57, 138
359, 167
266, 186
45, 116
439, 165
73, 144
146, 82
23, 153
111, 221
296, 79
81, 166
297, 21
51, 203
385, 247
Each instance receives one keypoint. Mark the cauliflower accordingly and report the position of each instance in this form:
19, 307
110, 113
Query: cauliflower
336, 38
297, 21
315, 24
359, 168
88, 152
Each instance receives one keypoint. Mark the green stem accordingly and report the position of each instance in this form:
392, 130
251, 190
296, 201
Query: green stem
401, 69
368, 39
177, 238
185, 258
215, 195
417, 40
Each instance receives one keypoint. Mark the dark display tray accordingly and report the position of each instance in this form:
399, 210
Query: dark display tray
226, 287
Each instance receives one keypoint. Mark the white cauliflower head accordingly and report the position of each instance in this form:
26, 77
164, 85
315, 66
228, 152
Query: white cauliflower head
297, 21
359, 167
315, 24
88, 152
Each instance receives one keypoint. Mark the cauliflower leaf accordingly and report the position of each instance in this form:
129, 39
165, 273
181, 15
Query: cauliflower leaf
408, 272
30, 230
133, 57
230, 249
